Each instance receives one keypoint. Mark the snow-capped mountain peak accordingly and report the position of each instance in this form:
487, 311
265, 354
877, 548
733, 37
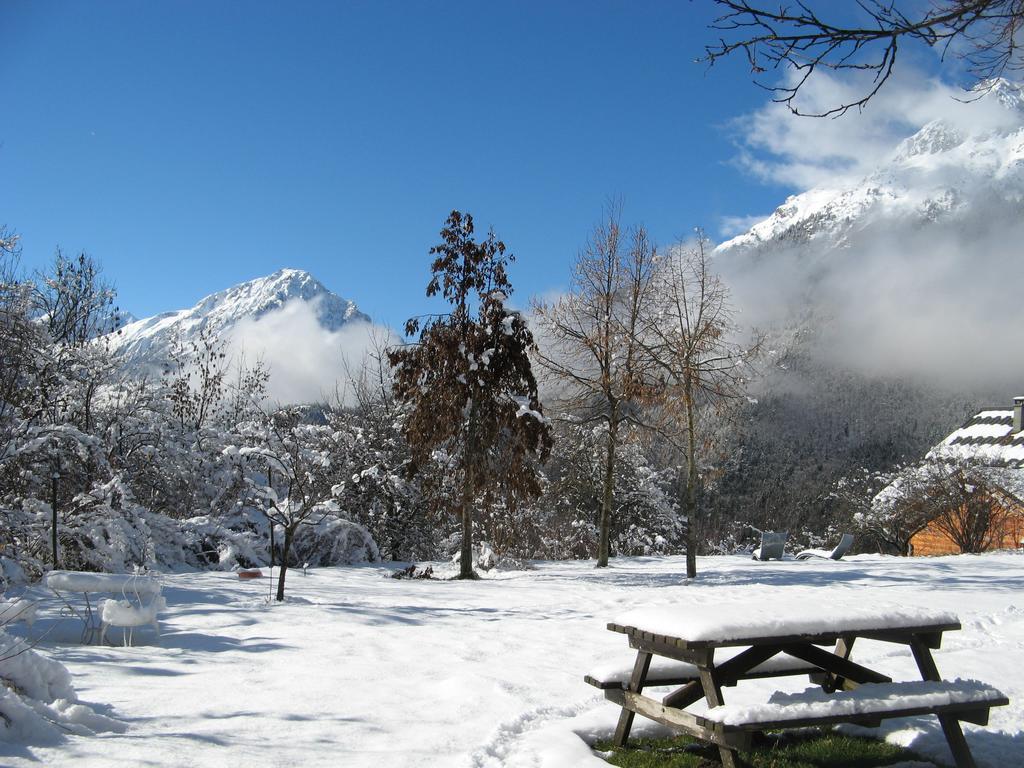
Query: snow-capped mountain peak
255, 298
1009, 94
148, 340
934, 138
944, 169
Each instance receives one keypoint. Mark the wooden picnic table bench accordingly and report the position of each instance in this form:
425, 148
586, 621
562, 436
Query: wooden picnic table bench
677, 646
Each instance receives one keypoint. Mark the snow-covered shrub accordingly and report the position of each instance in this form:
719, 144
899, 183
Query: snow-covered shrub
484, 558
15, 609
104, 530
378, 491
414, 572
240, 539
334, 541
38, 704
167, 550
563, 522
11, 573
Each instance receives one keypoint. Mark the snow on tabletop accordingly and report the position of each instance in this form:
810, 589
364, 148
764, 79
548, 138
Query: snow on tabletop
729, 622
76, 581
867, 699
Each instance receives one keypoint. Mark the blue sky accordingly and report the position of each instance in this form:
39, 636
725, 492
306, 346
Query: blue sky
192, 145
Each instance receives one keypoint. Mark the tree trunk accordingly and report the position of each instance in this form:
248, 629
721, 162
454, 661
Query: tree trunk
603, 544
288, 533
691, 482
270, 484
466, 551
272, 545
53, 527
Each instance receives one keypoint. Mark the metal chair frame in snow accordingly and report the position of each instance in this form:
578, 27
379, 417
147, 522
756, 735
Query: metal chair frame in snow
129, 613
773, 545
836, 554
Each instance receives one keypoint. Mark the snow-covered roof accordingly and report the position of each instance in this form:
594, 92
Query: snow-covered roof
986, 442
987, 438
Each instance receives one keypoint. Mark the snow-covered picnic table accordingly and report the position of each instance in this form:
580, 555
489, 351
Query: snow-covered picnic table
65, 583
677, 646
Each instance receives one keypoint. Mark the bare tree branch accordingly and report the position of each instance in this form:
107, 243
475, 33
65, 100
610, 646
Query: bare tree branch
796, 36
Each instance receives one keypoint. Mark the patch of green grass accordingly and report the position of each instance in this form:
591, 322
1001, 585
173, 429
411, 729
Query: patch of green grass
821, 749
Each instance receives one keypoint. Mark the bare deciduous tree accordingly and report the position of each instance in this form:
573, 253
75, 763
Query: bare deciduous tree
295, 460
974, 509
590, 341
961, 500
76, 303
864, 498
10, 254
690, 339
195, 375
982, 33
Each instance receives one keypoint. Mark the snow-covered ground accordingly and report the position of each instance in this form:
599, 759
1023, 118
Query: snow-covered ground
358, 669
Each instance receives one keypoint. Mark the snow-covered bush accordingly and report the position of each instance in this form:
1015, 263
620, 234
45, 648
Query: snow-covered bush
38, 704
240, 539
563, 522
484, 558
11, 573
17, 609
334, 541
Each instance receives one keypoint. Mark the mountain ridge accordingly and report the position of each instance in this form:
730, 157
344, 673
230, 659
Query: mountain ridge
148, 340
937, 173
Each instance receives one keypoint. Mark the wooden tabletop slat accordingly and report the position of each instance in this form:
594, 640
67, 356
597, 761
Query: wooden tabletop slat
820, 638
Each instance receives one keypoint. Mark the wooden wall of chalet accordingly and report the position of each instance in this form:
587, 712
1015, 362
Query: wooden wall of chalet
931, 541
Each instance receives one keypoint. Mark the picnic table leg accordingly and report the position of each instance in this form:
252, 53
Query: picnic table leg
636, 685
950, 725
833, 682
713, 695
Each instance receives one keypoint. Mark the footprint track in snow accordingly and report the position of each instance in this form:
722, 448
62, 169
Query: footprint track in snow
504, 739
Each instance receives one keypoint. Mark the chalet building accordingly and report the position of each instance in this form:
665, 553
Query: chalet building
992, 444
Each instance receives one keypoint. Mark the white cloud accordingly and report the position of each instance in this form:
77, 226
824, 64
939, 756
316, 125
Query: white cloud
307, 362
804, 152
730, 226
896, 297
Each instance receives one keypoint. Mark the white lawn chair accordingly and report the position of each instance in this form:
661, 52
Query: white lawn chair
132, 611
836, 554
128, 616
773, 544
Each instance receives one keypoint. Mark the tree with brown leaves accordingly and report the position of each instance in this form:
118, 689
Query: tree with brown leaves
467, 383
